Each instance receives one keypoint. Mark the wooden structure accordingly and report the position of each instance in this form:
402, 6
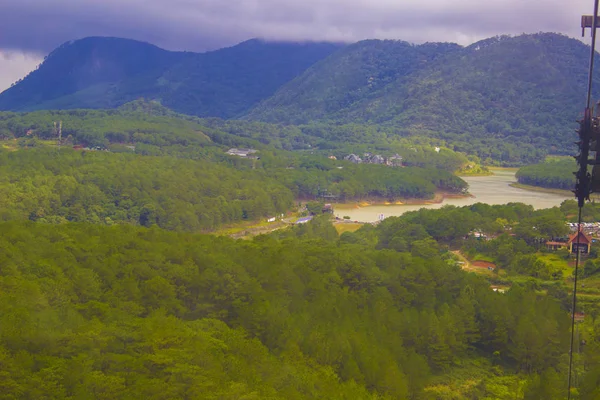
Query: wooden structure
580, 242
556, 245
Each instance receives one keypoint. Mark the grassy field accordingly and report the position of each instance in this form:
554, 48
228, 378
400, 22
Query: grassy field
252, 228
347, 227
481, 257
468, 266
558, 158
511, 169
556, 263
588, 292
460, 380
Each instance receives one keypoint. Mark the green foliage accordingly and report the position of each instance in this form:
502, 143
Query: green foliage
154, 130
315, 207
589, 213
317, 177
104, 188
510, 100
554, 174
126, 312
52, 186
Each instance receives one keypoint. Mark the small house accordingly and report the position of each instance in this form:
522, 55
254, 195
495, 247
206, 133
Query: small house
377, 159
353, 158
580, 242
241, 152
395, 161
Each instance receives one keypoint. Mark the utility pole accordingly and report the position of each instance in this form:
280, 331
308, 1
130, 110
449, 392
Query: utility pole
59, 134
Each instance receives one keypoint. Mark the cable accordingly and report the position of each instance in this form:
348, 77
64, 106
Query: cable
582, 187
574, 303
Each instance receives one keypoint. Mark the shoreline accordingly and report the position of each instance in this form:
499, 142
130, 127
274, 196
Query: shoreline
541, 189
438, 198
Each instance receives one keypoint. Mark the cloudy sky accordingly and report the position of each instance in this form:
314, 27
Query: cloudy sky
29, 29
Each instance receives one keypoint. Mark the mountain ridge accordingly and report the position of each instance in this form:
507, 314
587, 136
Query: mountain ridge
106, 72
524, 88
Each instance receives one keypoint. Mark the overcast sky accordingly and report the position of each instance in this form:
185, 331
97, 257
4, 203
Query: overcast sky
29, 29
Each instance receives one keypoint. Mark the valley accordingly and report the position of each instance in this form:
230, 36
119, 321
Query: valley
494, 189
166, 228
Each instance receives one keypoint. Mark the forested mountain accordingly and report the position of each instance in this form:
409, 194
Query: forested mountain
101, 72
509, 100
89, 73
526, 89
348, 79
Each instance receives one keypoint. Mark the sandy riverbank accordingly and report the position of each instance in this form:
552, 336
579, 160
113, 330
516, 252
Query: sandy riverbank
438, 198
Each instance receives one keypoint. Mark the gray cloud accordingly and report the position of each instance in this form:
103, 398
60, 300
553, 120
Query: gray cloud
14, 65
33, 28
196, 25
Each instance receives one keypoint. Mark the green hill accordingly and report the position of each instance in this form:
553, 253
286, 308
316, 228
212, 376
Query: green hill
553, 174
527, 89
101, 72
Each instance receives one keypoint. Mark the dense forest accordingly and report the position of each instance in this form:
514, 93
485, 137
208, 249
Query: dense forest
127, 312
107, 292
157, 130
56, 186
110, 188
110, 287
553, 174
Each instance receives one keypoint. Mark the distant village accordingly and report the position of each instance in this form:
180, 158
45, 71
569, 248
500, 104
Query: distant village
369, 158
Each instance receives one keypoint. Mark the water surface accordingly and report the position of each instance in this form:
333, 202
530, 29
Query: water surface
493, 189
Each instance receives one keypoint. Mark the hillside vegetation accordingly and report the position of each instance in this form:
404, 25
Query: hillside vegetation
524, 91
145, 165
123, 312
553, 174
508, 100
191, 195
157, 130
99, 72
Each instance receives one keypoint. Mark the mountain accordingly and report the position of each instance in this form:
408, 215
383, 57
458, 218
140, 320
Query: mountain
86, 73
507, 99
348, 77
528, 88
101, 72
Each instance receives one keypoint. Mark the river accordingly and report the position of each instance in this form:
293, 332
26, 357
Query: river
494, 189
